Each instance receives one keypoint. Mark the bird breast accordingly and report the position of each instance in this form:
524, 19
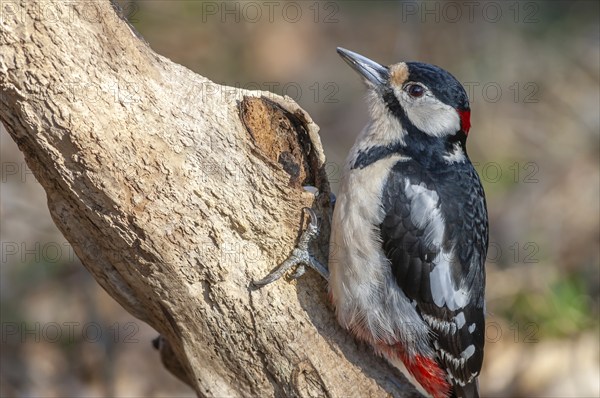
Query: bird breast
368, 301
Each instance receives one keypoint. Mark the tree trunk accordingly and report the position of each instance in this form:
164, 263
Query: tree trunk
176, 193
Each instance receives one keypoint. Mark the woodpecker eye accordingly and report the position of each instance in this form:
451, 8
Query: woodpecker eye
415, 90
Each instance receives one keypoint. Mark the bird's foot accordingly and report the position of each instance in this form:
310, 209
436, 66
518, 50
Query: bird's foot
300, 257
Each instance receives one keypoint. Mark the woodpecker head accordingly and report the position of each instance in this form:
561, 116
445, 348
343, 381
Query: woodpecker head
413, 102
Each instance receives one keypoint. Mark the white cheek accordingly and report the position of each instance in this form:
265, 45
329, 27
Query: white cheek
431, 116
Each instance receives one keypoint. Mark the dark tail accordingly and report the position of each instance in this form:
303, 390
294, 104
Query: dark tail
471, 390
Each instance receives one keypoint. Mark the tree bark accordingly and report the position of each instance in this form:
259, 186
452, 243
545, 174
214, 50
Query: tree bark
176, 193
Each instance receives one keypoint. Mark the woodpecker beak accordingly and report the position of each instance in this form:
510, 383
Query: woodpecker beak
371, 71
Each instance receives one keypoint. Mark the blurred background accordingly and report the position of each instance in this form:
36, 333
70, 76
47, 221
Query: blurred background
532, 73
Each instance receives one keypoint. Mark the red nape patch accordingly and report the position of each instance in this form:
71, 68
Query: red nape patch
465, 120
429, 375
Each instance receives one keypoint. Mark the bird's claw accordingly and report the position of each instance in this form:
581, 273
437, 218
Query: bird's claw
300, 256
299, 271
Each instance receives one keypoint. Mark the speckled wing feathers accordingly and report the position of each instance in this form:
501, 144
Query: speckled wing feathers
435, 233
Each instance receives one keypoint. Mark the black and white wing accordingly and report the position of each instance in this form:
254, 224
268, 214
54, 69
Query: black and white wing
435, 237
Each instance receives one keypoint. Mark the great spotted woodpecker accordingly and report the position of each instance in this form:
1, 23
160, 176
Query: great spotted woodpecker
410, 231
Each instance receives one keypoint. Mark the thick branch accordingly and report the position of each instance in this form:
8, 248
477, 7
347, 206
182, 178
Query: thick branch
175, 193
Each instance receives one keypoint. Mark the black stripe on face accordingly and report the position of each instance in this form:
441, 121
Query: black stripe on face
393, 105
371, 155
416, 144
416, 141
395, 109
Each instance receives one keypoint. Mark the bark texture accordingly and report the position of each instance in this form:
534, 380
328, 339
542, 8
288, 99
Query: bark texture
176, 193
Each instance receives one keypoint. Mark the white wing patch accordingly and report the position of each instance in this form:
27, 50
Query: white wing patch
472, 328
456, 156
443, 288
425, 211
468, 352
460, 320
